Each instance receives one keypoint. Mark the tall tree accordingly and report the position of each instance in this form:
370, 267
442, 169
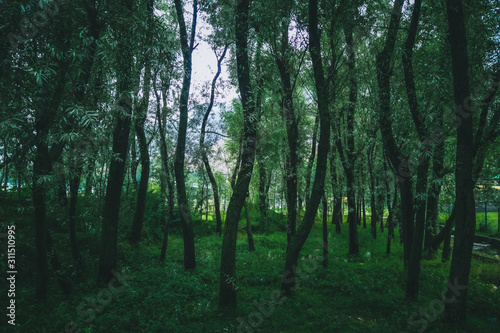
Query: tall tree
227, 295
187, 46
292, 161
398, 161
111, 209
139, 123
204, 155
297, 241
466, 216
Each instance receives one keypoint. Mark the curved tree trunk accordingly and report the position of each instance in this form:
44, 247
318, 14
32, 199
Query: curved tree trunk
184, 211
111, 210
227, 296
384, 73
289, 276
292, 134
204, 157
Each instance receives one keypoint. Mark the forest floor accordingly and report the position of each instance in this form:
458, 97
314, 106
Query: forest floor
363, 293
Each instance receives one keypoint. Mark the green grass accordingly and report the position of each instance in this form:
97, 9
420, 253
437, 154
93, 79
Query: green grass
491, 227
363, 293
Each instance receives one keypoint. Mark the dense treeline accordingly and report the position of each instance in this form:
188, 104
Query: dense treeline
387, 109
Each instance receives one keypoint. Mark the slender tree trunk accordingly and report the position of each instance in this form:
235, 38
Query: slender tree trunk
348, 157
185, 214
310, 163
227, 296
445, 255
251, 246
89, 178
325, 232
111, 210
397, 160
337, 197
364, 212
289, 276
74, 184
134, 162
41, 167
373, 194
141, 134
262, 192
466, 217
433, 194
292, 133
166, 169
204, 156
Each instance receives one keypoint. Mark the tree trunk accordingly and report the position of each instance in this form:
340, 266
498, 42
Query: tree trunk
397, 160
111, 210
466, 217
41, 167
251, 246
185, 214
325, 232
433, 194
204, 155
227, 296
74, 183
364, 212
337, 197
310, 163
161, 117
262, 192
290, 279
292, 133
141, 134
374, 219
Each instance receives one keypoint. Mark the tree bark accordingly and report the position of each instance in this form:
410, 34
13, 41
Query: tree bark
325, 232
184, 211
204, 156
310, 162
141, 134
74, 183
466, 217
290, 280
251, 245
337, 197
397, 160
227, 296
292, 133
111, 210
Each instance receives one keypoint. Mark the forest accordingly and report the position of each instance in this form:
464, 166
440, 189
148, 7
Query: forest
250, 166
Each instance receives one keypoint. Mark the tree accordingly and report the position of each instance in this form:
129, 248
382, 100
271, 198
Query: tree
466, 215
203, 149
187, 47
111, 210
139, 123
227, 293
297, 241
